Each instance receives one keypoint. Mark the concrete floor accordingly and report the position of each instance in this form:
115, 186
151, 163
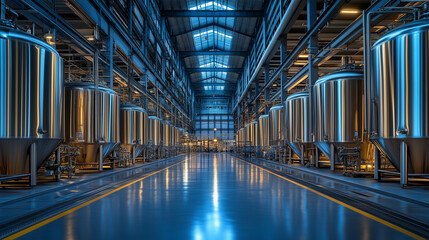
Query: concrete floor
214, 196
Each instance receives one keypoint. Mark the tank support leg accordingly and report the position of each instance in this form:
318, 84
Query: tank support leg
302, 154
376, 163
133, 154
33, 164
316, 156
290, 156
100, 158
332, 157
404, 164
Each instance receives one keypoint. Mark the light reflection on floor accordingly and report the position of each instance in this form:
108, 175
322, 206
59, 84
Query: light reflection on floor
214, 196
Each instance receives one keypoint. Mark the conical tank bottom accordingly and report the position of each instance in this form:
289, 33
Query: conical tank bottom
296, 148
89, 151
15, 153
138, 149
418, 152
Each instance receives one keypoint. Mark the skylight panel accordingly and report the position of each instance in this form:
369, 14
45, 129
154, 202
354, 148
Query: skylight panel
213, 37
213, 64
204, 6
212, 31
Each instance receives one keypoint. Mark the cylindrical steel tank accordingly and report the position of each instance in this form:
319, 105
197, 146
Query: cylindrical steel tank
154, 131
297, 116
179, 132
400, 79
166, 133
254, 129
248, 135
264, 130
134, 126
80, 126
240, 137
276, 119
31, 88
339, 101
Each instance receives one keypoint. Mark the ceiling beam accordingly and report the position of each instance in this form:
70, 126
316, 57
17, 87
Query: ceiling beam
213, 25
210, 13
214, 84
238, 70
214, 92
214, 78
216, 53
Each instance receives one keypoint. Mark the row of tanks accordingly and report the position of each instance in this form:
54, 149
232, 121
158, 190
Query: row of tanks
39, 113
399, 111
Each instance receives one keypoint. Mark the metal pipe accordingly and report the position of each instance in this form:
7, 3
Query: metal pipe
96, 95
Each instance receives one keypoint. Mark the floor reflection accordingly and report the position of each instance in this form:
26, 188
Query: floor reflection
214, 196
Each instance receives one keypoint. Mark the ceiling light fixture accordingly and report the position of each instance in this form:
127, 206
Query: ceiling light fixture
350, 11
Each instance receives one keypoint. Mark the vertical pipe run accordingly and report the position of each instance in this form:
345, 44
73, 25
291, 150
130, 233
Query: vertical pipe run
367, 71
312, 70
96, 96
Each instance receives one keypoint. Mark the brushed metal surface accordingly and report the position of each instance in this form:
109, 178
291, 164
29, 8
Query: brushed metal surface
154, 131
79, 125
276, 125
400, 79
134, 128
166, 133
297, 118
240, 137
31, 87
248, 135
339, 101
264, 131
254, 134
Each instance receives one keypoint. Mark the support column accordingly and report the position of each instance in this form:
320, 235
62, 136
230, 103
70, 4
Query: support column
268, 89
312, 69
111, 50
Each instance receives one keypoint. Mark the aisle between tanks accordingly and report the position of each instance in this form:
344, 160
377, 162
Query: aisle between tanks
214, 196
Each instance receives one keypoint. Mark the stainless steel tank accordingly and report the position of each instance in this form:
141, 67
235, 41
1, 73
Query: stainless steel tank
254, 129
248, 135
276, 119
80, 126
134, 126
401, 88
166, 134
241, 137
264, 130
179, 133
31, 88
339, 99
297, 116
154, 131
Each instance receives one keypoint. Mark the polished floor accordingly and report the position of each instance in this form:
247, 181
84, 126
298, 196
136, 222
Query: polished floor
214, 196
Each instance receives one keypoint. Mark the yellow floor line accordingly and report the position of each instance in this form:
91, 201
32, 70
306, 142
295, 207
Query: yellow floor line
391, 225
51, 219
